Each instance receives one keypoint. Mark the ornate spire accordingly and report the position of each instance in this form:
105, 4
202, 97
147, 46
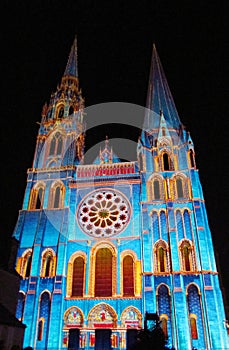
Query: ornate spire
72, 66
159, 99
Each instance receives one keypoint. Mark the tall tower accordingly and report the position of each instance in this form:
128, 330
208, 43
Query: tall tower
104, 243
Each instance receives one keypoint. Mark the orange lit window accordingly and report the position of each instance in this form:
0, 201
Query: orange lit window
164, 326
103, 273
78, 277
161, 259
186, 258
128, 276
194, 333
40, 330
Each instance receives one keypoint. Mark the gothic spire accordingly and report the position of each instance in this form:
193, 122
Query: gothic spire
72, 66
159, 99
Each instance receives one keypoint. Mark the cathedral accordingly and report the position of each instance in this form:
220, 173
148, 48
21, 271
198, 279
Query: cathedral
102, 245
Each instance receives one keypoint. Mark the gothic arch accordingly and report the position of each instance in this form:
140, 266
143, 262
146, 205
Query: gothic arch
131, 317
164, 309
102, 314
166, 160
20, 305
43, 317
195, 313
180, 186
73, 316
128, 273
187, 255
59, 110
70, 271
36, 199
24, 263
156, 188
94, 250
161, 257
56, 195
54, 146
48, 263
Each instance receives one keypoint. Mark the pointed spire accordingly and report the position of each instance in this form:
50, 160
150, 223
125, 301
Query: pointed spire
72, 66
159, 99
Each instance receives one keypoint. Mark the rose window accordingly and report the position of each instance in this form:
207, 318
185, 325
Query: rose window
104, 213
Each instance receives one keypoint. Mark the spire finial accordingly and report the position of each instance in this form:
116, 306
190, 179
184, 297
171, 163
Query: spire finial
72, 65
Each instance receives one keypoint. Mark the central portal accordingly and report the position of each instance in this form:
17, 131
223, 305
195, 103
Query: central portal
103, 339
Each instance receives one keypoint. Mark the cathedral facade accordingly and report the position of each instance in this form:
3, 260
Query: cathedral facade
103, 244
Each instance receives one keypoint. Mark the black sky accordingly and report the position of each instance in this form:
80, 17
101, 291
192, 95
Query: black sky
115, 41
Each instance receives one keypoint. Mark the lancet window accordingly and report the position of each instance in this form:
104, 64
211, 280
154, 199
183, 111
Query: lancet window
56, 145
37, 197
48, 264
128, 276
43, 319
78, 277
161, 256
24, 264
56, 197
164, 309
103, 273
181, 187
155, 188
191, 158
20, 306
187, 256
195, 314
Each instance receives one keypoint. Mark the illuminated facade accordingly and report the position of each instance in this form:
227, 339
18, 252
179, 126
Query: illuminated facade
102, 244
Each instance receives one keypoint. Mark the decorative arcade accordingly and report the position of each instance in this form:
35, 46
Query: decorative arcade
103, 244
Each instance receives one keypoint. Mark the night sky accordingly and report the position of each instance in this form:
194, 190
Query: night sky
115, 41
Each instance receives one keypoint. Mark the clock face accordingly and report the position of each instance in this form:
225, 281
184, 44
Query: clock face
104, 213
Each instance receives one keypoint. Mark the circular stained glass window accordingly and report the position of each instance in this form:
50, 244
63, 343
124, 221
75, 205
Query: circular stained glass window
104, 213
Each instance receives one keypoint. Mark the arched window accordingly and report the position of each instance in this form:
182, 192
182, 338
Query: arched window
37, 197
48, 264
179, 188
52, 146
191, 158
187, 256
128, 276
24, 264
179, 225
56, 197
163, 225
56, 201
28, 264
161, 257
56, 145
78, 277
155, 225
166, 162
164, 311
156, 189
195, 316
187, 223
103, 273
43, 320
60, 112
20, 306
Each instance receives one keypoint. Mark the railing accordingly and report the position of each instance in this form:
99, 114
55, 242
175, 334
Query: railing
106, 169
